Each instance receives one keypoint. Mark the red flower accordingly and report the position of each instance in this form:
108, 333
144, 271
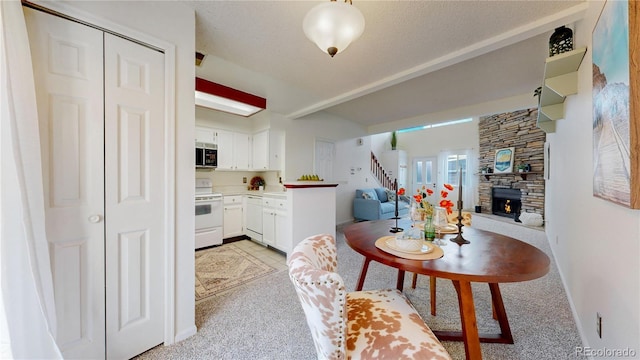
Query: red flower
401, 191
418, 198
447, 204
429, 192
443, 194
449, 187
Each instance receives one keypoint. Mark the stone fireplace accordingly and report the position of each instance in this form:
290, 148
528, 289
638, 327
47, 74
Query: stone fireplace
506, 202
515, 129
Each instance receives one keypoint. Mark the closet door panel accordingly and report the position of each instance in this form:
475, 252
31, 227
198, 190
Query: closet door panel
134, 196
68, 71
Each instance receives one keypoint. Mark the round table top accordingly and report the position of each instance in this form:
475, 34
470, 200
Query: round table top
490, 257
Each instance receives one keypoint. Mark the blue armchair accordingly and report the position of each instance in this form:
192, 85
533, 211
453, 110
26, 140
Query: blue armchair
374, 204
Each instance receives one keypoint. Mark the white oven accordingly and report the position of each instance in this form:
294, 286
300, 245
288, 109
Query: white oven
209, 213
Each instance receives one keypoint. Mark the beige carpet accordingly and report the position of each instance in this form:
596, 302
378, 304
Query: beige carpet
224, 267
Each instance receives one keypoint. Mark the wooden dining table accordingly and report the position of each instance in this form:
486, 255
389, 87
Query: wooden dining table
489, 258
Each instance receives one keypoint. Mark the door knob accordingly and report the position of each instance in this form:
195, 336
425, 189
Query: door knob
95, 219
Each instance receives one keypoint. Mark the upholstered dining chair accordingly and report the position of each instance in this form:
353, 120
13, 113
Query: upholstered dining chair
378, 324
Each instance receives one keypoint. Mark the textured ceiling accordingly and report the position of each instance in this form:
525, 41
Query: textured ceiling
414, 57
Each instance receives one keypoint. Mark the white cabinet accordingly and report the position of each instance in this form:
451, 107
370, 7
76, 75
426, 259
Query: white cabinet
395, 163
268, 150
253, 218
205, 135
233, 224
233, 150
274, 223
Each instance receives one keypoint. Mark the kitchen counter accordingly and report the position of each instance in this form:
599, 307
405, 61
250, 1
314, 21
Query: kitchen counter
278, 194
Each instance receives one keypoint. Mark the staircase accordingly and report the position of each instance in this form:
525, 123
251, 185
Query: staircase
380, 174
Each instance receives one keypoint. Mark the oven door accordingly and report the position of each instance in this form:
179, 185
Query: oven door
208, 213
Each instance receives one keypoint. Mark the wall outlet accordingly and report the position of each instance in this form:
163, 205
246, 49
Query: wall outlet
244, 179
599, 325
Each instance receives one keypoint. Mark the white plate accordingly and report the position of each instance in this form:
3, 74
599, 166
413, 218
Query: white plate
426, 248
449, 228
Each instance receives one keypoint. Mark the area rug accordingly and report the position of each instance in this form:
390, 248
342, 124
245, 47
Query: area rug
224, 267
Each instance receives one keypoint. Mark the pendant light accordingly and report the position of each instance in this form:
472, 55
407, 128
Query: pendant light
333, 25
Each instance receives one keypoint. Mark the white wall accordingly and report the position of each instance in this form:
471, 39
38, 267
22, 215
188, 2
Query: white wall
173, 23
301, 135
596, 243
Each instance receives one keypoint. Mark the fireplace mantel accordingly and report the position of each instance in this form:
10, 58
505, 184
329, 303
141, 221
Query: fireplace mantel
523, 174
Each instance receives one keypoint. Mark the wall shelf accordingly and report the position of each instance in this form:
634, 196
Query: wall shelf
560, 81
523, 175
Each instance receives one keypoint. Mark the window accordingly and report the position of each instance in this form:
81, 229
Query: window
444, 123
453, 163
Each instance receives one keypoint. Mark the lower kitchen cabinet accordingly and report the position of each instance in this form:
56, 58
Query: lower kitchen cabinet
274, 223
233, 216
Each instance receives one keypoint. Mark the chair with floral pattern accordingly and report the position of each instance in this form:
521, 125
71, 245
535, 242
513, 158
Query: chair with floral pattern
377, 324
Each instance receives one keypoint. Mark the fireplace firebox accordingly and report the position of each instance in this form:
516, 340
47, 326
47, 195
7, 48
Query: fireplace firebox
506, 202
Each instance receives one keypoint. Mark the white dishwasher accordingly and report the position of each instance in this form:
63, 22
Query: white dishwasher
254, 217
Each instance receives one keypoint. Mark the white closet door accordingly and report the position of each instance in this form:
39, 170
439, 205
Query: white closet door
67, 61
102, 132
134, 164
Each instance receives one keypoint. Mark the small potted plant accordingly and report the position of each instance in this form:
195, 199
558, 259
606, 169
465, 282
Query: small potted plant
485, 169
522, 167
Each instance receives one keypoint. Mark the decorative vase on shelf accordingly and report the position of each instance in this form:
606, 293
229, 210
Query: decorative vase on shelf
429, 229
561, 41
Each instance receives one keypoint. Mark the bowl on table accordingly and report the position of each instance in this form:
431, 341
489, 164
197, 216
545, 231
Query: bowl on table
410, 241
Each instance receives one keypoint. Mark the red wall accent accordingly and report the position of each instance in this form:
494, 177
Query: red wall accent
209, 87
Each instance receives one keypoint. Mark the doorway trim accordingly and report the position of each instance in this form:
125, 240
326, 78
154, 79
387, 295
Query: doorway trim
71, 13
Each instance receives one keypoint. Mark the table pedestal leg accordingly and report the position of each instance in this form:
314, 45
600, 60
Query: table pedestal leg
468, 317
363, 274
500, 312
432, 294
400, 281
469, 324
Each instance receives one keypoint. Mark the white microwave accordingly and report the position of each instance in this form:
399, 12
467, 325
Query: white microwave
206, 155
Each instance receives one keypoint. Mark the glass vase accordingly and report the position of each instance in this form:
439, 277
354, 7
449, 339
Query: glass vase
429, 229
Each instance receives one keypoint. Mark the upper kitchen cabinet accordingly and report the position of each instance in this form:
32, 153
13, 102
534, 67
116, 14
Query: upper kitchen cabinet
205, 135
233, 150
268, 150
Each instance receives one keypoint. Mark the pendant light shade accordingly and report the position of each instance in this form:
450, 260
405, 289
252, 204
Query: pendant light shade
333, 25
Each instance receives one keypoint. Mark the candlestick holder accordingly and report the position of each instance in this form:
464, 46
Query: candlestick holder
459, 239
396, 229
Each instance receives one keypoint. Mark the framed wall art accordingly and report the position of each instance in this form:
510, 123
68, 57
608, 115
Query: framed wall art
503, 162
616, 104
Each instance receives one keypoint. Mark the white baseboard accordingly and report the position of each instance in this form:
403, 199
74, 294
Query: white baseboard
186, 333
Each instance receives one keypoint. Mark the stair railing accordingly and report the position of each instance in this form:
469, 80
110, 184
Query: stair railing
380, 173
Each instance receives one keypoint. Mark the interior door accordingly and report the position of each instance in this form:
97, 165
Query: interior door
89, 100
68, 71
134, 188
425, 172
323, 158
